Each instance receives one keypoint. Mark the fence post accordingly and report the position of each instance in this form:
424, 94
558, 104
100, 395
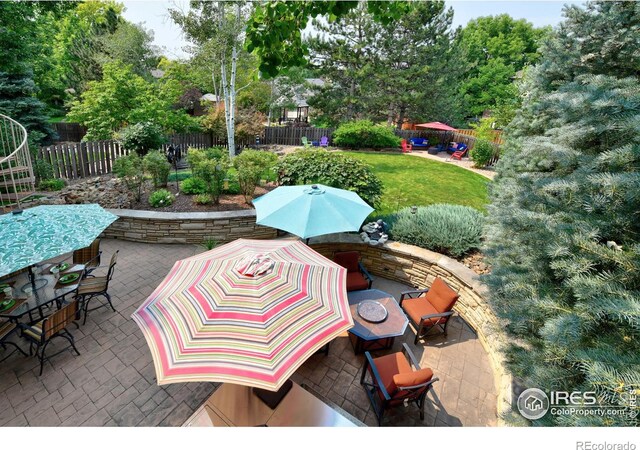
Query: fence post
84, 158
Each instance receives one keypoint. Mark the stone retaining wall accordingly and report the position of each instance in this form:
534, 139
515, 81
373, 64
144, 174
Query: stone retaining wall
186, 228
418, 267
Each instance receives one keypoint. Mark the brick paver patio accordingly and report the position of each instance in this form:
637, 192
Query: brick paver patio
112, 382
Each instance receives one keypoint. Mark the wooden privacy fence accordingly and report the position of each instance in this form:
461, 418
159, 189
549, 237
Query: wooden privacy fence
86, 159
294, 135
69, 132
81, 159
496, 135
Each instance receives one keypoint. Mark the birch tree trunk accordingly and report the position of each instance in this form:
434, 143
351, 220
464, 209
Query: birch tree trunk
226, 93
231, 125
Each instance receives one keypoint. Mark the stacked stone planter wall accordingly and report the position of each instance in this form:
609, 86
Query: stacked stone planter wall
186, 228
418, 267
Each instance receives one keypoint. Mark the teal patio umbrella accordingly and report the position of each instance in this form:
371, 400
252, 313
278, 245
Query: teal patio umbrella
47, 231
311, 210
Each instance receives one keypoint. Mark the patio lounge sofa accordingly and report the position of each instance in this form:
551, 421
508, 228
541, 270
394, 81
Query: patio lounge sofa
419, 142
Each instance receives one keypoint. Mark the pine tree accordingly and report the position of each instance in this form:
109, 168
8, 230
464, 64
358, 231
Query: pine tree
17, 50
563, 235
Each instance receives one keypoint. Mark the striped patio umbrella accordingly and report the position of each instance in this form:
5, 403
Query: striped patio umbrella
249, 312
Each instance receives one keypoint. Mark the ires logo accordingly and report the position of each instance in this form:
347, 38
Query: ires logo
577, 398
534, 404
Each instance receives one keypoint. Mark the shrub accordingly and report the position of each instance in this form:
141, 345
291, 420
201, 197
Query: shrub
234, 185
193, 186
202, 199
364, 134
160, 198
141, 137
330, 168
482, 152
443, 228
155, 163
43, 170
251, 166
130, 169
54, 184
210, 165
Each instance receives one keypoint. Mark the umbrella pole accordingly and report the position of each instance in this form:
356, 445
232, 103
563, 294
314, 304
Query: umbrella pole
32, 281
273, 399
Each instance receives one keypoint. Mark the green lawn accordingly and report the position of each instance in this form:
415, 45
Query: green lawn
411, 180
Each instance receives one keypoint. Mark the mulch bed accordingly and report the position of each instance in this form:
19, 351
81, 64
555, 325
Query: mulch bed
184, 203
475, 261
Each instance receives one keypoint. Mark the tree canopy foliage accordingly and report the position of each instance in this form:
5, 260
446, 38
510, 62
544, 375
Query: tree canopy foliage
563, 235
122, 98
494, 50
274, 30
379, 71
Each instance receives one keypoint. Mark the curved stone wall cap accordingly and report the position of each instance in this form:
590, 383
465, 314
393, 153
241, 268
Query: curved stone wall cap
158, 215
422, 253
336, 238
468, 276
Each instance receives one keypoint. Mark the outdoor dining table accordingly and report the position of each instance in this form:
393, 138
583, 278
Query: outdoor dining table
378, 331
34, 304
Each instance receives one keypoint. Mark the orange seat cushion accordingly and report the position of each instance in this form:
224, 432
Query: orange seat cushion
414, 378
348, 260
390, 365
418, 307
441, 296
356, 281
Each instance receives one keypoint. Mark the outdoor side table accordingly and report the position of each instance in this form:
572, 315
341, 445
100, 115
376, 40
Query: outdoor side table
375, 335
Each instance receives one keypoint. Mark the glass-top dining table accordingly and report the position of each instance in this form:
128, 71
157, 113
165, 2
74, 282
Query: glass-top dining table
30, 306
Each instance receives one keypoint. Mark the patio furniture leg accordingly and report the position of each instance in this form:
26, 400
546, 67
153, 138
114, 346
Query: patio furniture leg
69, 337
109, 300
4, 346
44, 347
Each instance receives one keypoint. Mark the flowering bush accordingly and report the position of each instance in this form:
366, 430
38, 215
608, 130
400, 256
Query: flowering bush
161, 198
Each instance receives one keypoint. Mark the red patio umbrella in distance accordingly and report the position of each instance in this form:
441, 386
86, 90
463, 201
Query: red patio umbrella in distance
436, 126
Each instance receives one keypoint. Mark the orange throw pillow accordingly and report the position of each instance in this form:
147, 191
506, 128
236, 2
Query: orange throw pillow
409, 379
